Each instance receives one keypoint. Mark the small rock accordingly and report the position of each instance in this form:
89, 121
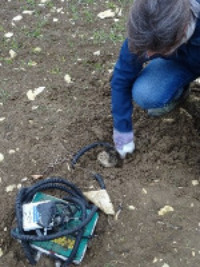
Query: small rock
169, 120
144, 191
1, 252
58, 10
19, 186
34, 107
2, 119
31, 94
10, 188
131, 207
197, 81
37, 49
28, 12
17, 18
37, 176
195, 182
155, 260
11, 151
165, 210
165, 265
1, 157
12, 54
97, 53
67, 78
8, 34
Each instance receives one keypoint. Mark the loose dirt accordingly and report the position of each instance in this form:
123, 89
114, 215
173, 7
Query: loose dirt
58, 38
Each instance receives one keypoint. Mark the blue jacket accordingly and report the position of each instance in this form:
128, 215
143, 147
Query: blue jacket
128, 67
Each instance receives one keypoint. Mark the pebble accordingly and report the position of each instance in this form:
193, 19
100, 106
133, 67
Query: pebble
8, 34
37, 49
165, 210
28, 12
2, 119
144, 191
195, 182
1, 157
44, 1
1, 252
131, 207
17, 18
67, 78
97, 53
10, 188
11, 151
31, 94
12, 53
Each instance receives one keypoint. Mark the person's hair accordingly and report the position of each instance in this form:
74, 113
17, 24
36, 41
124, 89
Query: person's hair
157, 25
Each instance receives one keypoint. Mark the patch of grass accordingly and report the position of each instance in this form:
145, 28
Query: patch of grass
37, 31
50, 4
114, 35
1, 28
6, 60
31, 3
4, 95
14, 45
55, 70
110, 5
75, 12
88, 15
98, 66
87, 1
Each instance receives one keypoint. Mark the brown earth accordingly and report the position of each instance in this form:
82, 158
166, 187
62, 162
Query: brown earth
40, 136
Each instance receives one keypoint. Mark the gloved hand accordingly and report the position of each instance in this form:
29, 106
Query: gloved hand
124, 142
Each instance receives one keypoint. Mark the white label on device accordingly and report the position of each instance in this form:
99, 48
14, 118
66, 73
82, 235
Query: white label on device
31, 216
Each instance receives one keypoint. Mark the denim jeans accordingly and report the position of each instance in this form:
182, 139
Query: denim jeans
160, 82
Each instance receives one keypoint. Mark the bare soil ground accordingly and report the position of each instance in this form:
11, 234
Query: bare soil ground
59, 38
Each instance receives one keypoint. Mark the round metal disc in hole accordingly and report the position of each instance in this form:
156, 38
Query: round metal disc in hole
107, 159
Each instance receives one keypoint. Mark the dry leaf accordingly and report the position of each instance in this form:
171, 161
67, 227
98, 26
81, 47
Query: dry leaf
101, 199
106, 14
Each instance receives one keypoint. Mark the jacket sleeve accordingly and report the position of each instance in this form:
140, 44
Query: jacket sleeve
125, 72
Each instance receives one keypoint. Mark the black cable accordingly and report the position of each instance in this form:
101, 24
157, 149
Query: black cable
74, 195
25, 195
85, 149
82, 151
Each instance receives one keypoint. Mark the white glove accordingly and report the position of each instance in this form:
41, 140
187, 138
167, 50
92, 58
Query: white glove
124, 143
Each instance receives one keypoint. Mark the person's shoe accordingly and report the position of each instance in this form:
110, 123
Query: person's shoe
156, 112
